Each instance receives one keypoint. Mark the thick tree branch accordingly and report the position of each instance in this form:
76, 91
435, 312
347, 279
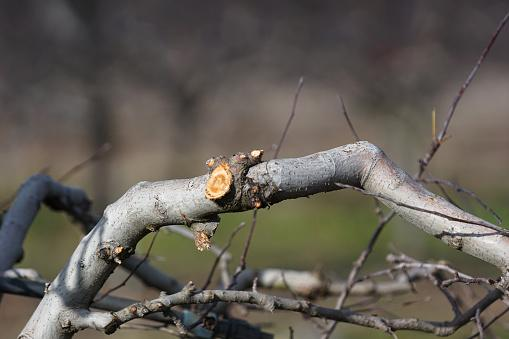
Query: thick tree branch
37, 190
42, 189
248, 184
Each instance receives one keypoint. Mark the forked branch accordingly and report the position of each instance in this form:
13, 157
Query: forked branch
246, 183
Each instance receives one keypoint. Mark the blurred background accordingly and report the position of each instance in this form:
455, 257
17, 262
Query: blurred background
169, 84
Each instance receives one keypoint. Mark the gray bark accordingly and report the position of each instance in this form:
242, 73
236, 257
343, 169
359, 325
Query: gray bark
42, 189
15, 224
148, 206
228, 328
110, 322
313, 284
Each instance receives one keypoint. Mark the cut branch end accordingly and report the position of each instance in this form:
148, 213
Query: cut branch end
219, 182
202, 241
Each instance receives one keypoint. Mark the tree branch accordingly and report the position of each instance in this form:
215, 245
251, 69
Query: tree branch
228, 328
247, 184
270, 303
423, 163
38, 189
313, 284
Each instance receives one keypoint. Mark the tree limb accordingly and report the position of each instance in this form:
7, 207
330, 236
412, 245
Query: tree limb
271, 303
228, 328
38, 189
148, 206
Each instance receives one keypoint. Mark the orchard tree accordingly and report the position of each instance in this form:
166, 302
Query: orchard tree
244, 181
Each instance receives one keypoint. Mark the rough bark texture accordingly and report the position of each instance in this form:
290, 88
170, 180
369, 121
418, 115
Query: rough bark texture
148, 206
228, 328
110, 322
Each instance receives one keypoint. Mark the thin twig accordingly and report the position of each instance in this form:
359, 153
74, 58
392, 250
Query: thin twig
453, 300
402, 263
287, 286
357, 265
220, 255
5, 204
72, 171
378, 210
347, 118
499, 230
479, 324
290, 118
238, 271
491, 322
270, 303
423, 163
242, 263
461, 189
467, 281
105, 148
446, 195
132, 272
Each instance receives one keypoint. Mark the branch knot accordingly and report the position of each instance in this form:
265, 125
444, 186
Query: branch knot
227, 177
112, 251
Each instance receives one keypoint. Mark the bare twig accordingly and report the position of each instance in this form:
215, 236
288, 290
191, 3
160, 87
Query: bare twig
378, 210
470, 193
467, 280
230, 328
404, 263
479, 324
499, 230
290, 118
451, 298
240, 268
446, 195
242, 265
271, 303
491, 322
436, 142
220, 255
72, 171
357, 265
423, 162
287, 286
347, 118
297, 177
105, 148
4, 204
124, 282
